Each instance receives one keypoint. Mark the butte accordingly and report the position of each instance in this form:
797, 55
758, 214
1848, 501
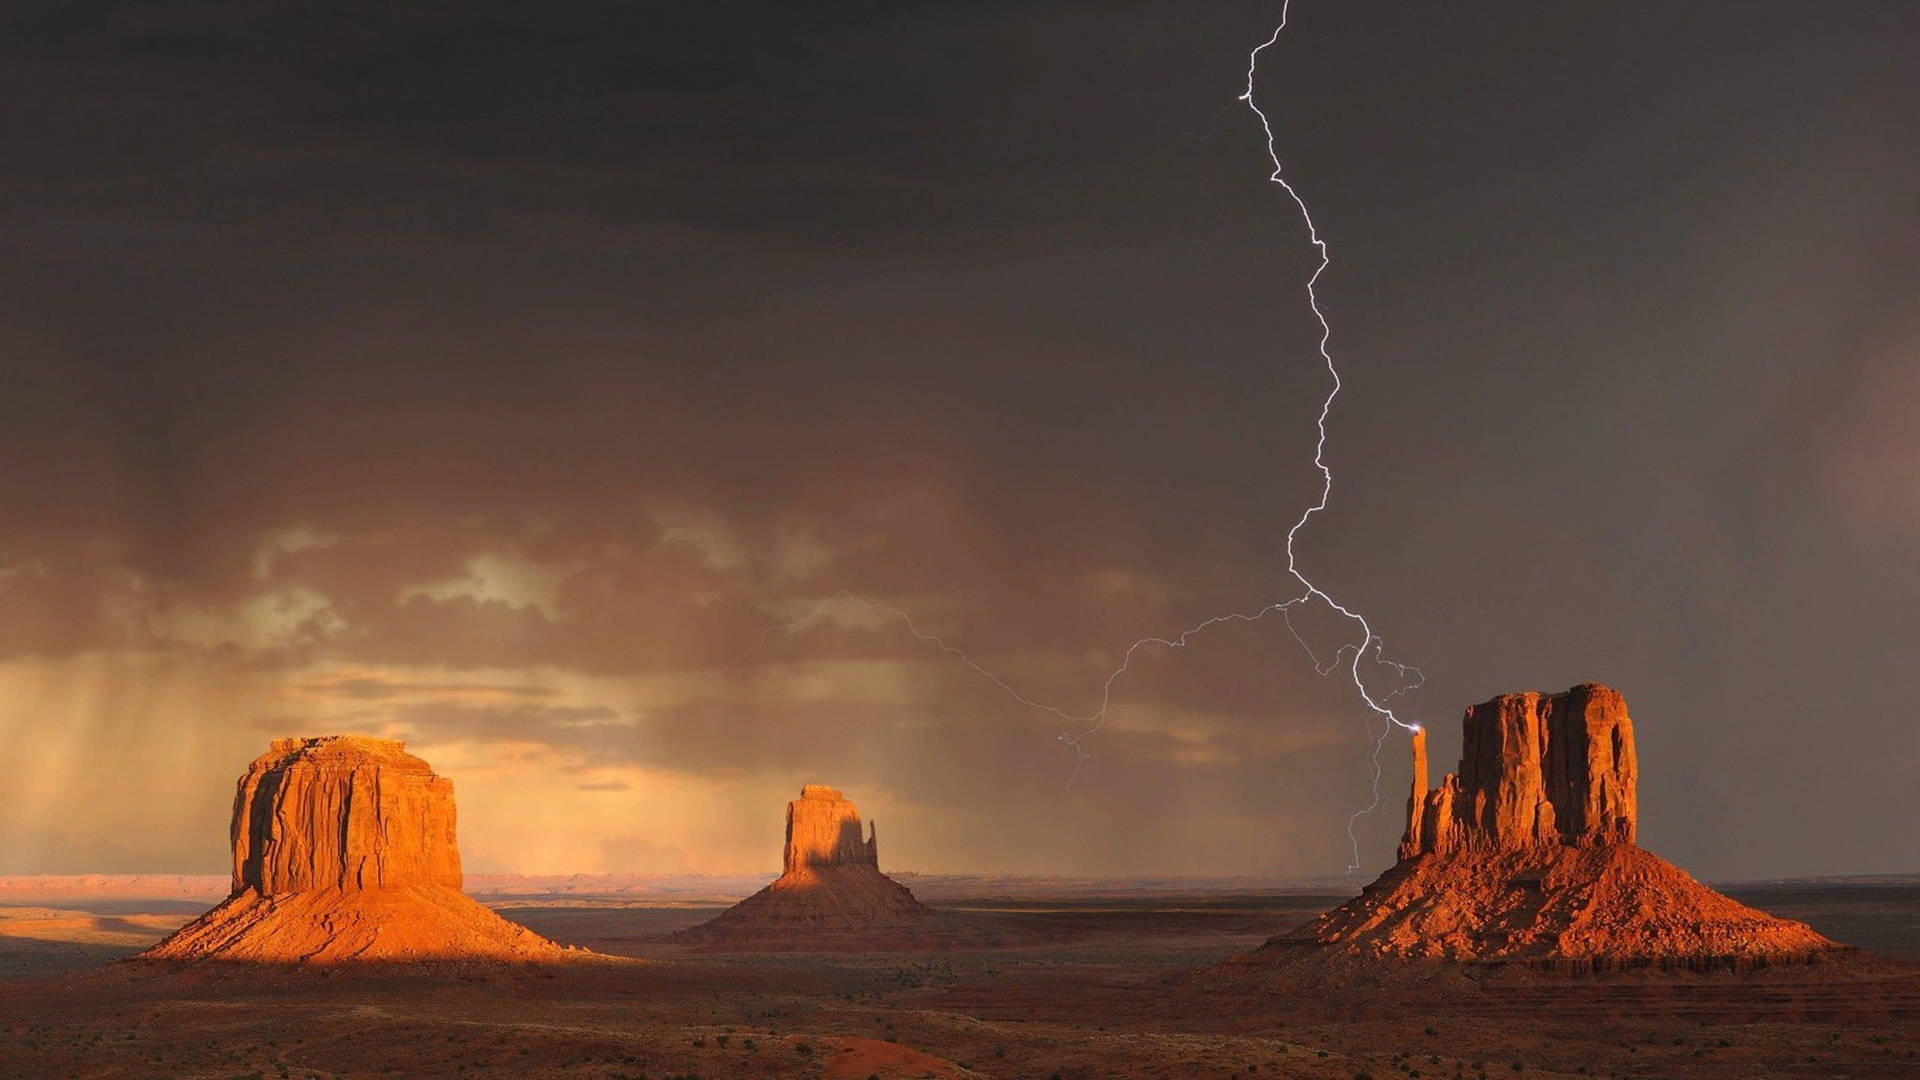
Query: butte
831, 891
1527, 855
343, 850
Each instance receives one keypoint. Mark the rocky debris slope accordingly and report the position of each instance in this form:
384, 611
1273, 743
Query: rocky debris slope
1527, 853
344, 850
832, 884
1599, 906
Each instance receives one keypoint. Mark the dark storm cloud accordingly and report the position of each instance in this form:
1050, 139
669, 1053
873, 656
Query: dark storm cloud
383, 349
595, 732
797, 121
945, 754
378, 689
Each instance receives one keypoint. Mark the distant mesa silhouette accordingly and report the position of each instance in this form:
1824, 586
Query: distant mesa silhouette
1528, 854
344, 850
831, 884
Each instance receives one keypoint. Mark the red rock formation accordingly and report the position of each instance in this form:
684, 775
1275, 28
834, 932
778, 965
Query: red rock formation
832, 885
823, 829
1534, 769
1411, 842
1527, 853
342, 812
343, 849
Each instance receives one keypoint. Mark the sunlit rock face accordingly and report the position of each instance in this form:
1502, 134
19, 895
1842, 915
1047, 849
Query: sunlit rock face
342, 812
344, 851
1534, 769
823, 829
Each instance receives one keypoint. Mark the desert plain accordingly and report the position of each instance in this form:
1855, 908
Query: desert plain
1031, 978
1522, 932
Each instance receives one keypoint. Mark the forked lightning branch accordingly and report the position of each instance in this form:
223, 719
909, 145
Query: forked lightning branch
1351, 655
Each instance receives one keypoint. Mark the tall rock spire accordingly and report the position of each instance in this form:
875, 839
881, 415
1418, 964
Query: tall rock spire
1416, 798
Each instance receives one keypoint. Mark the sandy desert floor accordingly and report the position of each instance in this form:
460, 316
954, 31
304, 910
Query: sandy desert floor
1155, 985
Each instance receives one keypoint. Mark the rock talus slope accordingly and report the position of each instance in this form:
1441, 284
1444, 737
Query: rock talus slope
1527, 853
344, 850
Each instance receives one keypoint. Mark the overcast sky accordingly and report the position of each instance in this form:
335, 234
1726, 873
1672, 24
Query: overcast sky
495, 375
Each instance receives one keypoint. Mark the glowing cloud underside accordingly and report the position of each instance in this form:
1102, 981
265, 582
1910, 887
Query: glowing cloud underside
1369, 644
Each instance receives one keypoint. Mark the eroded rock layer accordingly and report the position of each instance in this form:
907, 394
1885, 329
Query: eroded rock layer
405, 923
1604, 905
344, 850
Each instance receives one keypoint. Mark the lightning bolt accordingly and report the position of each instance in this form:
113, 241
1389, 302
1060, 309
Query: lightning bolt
1369, 645
1311, 591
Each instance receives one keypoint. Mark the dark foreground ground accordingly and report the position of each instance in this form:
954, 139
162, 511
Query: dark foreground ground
1157, 986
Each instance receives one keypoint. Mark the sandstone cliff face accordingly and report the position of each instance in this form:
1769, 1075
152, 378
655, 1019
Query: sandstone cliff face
1534, 769
343, 850
823, 829
342, 811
